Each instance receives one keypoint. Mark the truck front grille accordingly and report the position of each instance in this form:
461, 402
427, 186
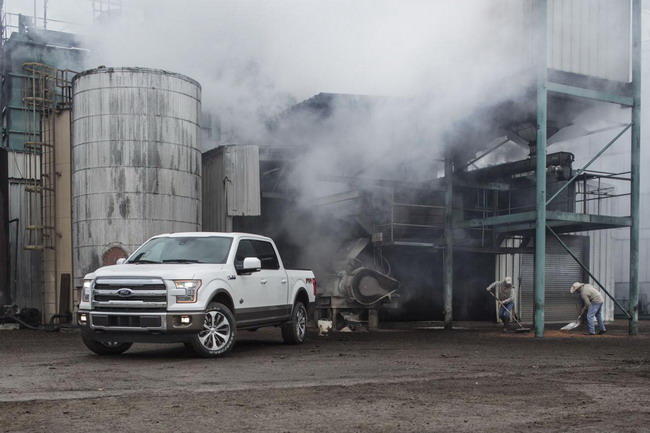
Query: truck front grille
130, 293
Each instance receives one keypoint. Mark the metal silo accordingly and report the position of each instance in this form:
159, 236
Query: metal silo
136, 161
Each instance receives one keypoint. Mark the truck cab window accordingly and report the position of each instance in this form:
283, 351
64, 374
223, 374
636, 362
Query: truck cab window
245, 249
266, 254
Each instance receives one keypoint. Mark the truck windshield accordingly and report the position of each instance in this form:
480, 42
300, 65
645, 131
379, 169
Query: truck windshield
213, 249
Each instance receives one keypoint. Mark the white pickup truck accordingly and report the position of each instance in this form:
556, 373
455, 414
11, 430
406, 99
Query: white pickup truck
197, 289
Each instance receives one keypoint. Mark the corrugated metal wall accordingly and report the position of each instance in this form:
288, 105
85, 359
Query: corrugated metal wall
231, 185
562, 271
590, 37
602, 256
25, 268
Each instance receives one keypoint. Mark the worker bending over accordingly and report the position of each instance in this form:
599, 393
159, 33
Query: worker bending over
593, 306
505, 296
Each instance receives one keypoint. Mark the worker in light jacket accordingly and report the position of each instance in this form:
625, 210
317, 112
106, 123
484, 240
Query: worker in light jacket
593, 306
505, 294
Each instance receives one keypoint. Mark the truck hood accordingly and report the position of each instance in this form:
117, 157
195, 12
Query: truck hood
176, 271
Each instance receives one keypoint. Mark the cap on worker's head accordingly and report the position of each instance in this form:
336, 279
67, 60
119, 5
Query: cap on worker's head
576, 286
508, 280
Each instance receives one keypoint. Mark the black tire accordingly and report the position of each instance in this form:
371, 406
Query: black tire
294, 331
105, 347
218, 334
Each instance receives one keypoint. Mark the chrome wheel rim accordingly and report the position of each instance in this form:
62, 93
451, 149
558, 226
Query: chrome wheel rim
301, 323
216, 331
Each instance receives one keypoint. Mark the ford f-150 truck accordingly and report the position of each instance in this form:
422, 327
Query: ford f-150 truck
194, 288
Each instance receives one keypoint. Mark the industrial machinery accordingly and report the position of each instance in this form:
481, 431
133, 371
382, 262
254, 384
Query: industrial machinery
353, 293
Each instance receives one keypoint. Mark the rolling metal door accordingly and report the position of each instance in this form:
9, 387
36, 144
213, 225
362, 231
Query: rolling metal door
562, 271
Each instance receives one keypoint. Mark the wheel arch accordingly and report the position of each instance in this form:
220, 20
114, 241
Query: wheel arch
302, 296
223, 297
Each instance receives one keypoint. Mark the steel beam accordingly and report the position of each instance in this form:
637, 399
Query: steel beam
590, 94
448, 255
541, 8
587, 219
635, 187
593, 277
498, 220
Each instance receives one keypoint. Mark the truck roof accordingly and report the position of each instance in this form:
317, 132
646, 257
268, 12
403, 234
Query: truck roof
208, 234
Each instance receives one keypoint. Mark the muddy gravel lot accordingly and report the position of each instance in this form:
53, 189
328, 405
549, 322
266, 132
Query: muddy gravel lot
473, 379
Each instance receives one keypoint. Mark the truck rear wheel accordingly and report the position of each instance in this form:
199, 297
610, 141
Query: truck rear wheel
294, 331
105, 347
218, 334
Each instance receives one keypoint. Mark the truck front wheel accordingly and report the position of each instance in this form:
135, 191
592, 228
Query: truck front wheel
105, 347
293, 332
218, 334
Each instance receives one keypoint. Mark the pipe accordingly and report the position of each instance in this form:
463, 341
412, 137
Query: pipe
448, 255
67, 316
28, 326
541, 8
635, 186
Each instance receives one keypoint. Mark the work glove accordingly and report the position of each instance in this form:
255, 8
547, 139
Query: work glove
487, 288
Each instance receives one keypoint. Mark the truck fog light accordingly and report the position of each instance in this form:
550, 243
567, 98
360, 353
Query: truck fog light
186, 320
83, 319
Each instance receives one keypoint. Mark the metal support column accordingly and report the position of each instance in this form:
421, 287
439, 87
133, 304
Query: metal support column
449, 244
542, 105
635, 168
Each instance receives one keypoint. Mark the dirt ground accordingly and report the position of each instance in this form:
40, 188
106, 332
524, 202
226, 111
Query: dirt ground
473, 379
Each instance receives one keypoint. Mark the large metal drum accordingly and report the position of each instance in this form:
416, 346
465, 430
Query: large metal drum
136, 161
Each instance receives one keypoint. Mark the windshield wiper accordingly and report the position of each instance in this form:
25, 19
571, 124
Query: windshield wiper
180, 261
143, 261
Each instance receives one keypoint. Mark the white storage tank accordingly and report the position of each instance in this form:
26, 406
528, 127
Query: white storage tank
136, 161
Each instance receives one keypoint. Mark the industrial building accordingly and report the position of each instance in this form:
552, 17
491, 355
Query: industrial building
98, 160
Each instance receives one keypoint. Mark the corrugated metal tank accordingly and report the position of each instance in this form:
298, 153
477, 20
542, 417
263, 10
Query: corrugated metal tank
136, 161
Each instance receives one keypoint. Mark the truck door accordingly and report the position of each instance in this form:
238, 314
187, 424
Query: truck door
250, 302
274, 279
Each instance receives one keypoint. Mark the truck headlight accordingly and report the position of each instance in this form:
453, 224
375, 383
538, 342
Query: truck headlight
191, 288
85, 291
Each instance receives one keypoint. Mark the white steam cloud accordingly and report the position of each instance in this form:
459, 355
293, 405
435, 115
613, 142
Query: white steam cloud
255, 58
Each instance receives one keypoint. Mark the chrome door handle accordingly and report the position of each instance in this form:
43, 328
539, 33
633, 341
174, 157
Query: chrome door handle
264, 281
283, 281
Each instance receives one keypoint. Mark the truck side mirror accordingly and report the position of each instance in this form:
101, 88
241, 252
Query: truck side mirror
251, 264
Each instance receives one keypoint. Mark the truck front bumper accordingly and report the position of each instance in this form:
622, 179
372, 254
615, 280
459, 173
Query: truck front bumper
139, 325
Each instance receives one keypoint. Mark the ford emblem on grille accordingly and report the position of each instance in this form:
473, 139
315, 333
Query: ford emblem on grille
125, 292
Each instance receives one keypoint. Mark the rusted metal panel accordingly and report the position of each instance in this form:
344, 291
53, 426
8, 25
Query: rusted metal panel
243, 189
136, 160
231, 182
22, 165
